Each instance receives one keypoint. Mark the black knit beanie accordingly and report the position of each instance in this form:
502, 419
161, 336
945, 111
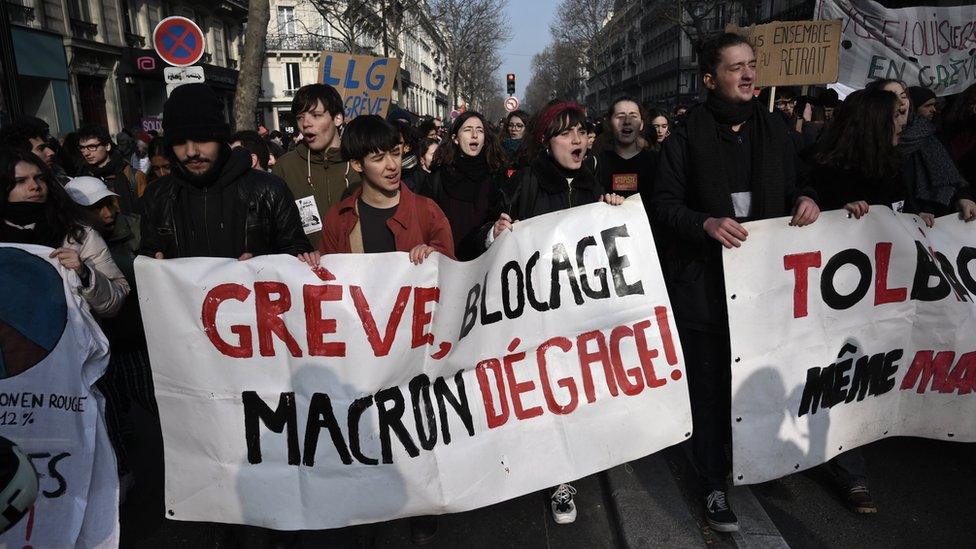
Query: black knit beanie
194, 112
920, 95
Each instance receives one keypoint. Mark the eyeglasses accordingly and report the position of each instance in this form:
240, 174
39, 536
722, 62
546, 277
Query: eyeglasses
516, 126
90, 148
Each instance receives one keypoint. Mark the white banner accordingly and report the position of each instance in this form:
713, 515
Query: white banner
52, 354
373, 389
846, 332
923, 46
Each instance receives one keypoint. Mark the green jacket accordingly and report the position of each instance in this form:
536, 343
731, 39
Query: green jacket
326, 177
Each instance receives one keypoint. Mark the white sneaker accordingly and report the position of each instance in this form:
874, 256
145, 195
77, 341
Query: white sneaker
563, 506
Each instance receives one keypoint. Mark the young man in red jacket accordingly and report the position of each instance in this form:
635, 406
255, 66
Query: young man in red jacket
382, 215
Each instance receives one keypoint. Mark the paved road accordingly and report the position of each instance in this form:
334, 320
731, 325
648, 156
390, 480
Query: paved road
925, 491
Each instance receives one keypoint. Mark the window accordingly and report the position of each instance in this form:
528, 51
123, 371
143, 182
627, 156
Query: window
286, 20
220, 46
130, 24
154, 17
79, 9
293, 76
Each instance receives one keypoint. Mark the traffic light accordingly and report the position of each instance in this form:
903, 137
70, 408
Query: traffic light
511, 84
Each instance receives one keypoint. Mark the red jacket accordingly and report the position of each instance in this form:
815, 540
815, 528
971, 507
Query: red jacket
417, 220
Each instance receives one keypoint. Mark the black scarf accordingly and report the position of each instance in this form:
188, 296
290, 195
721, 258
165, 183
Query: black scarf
930, 171
213, 197
23, 214
704, 150
467, 176
553, 177
110, 170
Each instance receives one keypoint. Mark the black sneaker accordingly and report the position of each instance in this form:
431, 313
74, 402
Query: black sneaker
860, 501
720, 517
422, 530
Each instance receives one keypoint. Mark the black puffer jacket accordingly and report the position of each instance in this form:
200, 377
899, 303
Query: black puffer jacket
543, 188
538, 189
251, 211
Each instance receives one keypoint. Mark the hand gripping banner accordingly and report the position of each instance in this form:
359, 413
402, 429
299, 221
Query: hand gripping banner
371, 389
846, 332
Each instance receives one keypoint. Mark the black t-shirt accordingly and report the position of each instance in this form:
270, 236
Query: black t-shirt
377, 236
626, 177
736, 151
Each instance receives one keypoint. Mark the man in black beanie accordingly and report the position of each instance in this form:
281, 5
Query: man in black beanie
213, 204
924, 102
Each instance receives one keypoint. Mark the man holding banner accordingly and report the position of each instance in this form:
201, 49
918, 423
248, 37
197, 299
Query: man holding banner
731, 162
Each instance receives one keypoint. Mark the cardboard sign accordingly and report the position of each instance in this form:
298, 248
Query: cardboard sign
846, 332
928, 46
371, 388
364, 82
794, 53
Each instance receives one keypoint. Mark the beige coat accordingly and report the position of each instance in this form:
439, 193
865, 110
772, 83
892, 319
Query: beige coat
107, 288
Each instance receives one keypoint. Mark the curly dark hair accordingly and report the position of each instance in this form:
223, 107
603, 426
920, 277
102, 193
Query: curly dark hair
64, 216
860, 139
449, 151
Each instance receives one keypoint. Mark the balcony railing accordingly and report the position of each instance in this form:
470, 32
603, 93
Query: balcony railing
296, 42
20, 14
84, 29
135, 40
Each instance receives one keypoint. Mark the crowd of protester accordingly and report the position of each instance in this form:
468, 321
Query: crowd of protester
372, 185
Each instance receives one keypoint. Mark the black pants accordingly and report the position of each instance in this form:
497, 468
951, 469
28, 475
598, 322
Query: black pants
127, 379
707, 361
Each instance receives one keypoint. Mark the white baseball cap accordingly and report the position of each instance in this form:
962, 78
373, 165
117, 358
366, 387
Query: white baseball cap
87, 190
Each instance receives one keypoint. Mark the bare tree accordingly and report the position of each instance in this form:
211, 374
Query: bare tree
473, 29
556, 72
580, 24
699, 20
386, 22
249, 77
352, 20
481, 83
399, 19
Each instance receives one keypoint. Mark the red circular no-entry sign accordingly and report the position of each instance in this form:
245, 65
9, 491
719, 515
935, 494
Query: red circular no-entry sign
178, 41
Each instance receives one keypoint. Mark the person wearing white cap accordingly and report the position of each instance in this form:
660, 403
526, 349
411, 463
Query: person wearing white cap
104, 213
36, 211
129, 377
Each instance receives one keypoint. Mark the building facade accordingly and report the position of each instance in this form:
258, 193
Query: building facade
298, 33
82, 61
647, 55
